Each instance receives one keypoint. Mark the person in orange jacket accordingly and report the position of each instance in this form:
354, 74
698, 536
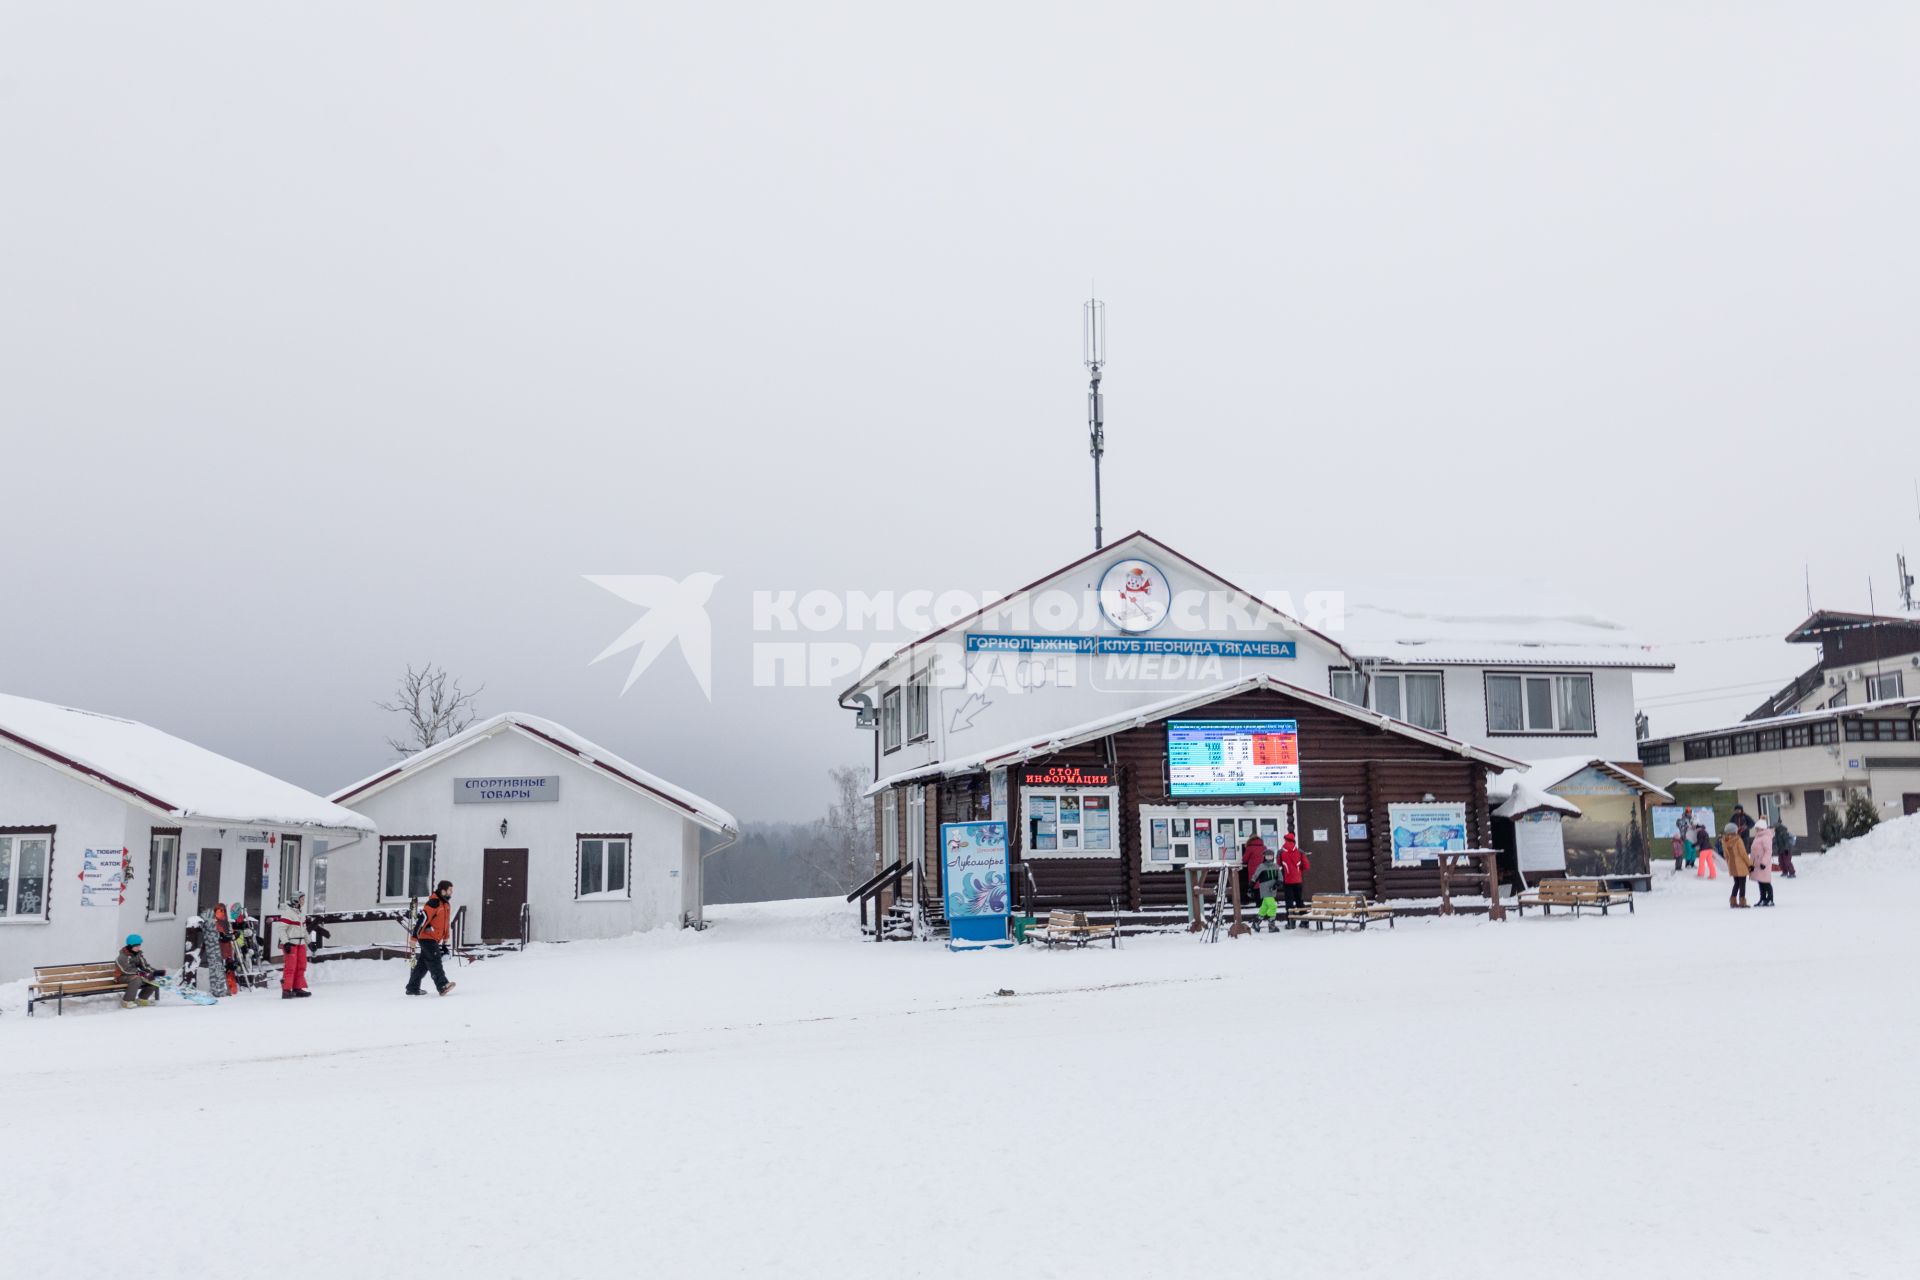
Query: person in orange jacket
1294, 865
1705, 867
1739, 864
435, 929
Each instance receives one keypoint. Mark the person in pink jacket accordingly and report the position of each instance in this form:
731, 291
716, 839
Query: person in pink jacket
1762, 854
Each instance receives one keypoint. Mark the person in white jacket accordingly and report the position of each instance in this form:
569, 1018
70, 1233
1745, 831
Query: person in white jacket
293, 966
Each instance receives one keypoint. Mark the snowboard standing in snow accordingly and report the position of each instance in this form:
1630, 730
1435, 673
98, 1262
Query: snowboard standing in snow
214, 970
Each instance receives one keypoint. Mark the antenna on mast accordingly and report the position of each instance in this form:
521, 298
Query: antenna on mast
1905, 580
1093, 352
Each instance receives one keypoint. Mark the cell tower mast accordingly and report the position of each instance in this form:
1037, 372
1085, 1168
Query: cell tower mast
1093, 348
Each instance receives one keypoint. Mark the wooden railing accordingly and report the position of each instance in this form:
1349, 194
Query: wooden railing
887, 878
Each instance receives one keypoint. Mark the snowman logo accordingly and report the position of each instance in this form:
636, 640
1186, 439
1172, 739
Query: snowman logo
1134, 595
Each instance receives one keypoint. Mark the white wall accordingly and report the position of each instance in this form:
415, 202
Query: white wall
1613, 709
664, 882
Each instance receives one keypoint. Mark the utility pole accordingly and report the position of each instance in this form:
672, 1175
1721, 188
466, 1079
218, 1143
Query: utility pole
1094, 355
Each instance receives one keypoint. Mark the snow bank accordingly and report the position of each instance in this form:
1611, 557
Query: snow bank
1892, 846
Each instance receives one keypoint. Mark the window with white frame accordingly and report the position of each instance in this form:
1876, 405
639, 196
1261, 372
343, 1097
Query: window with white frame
1416, 697
1078, 822
889, 827
603, 866
916, 824
290, 877
25, 858
1542, 702
1174, 836
890, 719
406, 869
1349, 686
163, 873
919, 695
1889, 685
1769, 808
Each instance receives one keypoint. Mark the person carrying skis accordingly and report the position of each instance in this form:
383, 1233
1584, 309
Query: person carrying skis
1266, 884
133, 966
435, 929
213, 964
223, 930
1294, 865
293, 946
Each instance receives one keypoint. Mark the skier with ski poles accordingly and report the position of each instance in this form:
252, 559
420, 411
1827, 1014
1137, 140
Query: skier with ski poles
434, 931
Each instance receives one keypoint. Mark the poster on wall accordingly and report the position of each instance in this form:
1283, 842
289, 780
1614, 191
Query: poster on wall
1233, 757
979, 888
1666, 819
103, 877
997, 796
1421, 832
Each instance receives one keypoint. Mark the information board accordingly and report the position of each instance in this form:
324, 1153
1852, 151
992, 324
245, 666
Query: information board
1421, 832
1233, 757
979, 889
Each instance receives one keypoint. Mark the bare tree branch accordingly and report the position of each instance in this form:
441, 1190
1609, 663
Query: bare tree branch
435, 705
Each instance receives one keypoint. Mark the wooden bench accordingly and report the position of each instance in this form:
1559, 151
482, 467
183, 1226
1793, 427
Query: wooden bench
1574, 896
1070, 928
56, 982
1342, 910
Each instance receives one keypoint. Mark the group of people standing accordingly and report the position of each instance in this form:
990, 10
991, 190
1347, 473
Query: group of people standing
231, 956
1271, 876
1749, 849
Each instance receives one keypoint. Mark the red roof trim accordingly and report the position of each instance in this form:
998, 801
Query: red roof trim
368, 785
83, 770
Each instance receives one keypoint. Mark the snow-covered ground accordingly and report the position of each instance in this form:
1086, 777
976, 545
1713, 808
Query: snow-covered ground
1690, 1091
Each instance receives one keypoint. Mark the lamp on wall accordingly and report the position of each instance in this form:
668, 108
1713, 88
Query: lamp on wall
503, 828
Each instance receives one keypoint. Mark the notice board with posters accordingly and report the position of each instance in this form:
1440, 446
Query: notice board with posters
1422, 832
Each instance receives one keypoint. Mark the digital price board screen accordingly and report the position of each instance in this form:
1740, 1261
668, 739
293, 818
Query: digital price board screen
1233, 757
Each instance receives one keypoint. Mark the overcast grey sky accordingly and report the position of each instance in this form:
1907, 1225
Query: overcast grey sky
334, 337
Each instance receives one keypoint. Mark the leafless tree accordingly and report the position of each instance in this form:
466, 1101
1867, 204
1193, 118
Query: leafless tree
850, 822
435, 705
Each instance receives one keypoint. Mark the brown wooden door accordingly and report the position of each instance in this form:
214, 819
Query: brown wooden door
1910, 803
256, 871
503, 891
209, 881
1816, 815
1321, 831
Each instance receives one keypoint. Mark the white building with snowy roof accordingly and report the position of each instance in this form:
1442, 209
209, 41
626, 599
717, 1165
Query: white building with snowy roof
110, 827
546, 836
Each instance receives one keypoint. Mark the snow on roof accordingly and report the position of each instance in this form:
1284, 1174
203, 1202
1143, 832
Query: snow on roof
162, 772
1408, 635
1545, 775
1135, 717
1797, 717
1523, 796
563, 740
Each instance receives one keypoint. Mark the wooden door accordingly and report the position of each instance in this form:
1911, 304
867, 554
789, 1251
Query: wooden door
1816, 814
256, 871
503, 891
1321, 832
1910, 803
209, 881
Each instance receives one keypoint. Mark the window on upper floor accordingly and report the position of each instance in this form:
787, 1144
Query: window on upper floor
1656, 753
890, 719
1417, 697
919, 701
1540, 703
1889, 685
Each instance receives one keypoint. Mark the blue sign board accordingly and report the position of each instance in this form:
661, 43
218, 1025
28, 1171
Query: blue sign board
979, 887
982, 642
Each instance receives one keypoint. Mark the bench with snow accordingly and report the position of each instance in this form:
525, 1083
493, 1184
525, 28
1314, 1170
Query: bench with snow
1575, 896
1070, 929
1342, 910
57, 982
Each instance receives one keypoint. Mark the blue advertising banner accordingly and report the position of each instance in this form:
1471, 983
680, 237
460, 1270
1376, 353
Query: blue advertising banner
1422, 832
981, 642
979, 888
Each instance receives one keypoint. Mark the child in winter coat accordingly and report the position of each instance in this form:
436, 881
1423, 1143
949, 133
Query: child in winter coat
1706, 867
133, 966
1762, 853
1783, 848
1266, 882
1739, 864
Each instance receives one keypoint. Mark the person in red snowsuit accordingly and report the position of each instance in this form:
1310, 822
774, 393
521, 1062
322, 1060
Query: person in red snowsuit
1294, 865
293, 948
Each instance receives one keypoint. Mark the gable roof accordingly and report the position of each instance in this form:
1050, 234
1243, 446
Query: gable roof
1116, 549
564, 741
162, 773
1821, 621
1545, 775
1137, 717
1413, 636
